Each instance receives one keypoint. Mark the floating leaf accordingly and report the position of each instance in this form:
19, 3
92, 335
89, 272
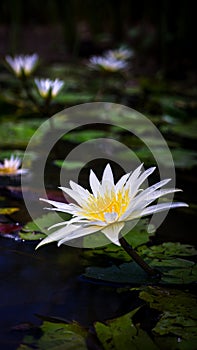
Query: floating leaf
69, 165
121, 333
173, 272
128, 273
179, 311
45, 221
168, 249
18, 133
82, 136
57, 336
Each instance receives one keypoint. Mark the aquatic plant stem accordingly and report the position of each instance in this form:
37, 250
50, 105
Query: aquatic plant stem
134, 255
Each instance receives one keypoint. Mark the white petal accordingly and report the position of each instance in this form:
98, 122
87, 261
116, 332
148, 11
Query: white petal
80, 232
59, 205
108, 175
94, 183
140, 180
154, 209
81, 191
131, 183
73, 194
163, 206
57, 235
110, 217
122, 182
145, 198
112, 232
74, 220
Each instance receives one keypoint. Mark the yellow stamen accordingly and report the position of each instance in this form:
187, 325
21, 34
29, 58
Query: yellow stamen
110, 202
8, 170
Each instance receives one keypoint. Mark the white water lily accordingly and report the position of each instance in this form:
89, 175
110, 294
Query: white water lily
109, 63
22, 63
109, 206
11, 167
46, 85
119, 54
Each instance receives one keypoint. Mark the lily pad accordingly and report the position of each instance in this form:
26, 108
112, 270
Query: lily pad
173, 272
179, 311
69, 165
35, 230
121, 333
168, 249
57, 336
18, 133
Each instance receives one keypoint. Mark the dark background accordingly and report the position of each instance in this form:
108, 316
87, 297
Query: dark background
161, 32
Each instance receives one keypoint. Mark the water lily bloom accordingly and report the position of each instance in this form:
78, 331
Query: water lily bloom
11, 167
46, 86
109, 206
22, 64
110, 64
119, 54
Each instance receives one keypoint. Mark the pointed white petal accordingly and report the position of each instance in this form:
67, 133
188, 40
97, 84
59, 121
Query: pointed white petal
122, 182
74, 220
160, 207
58, 235
132, 179
144, 199
94, 183
108, 175
112, 232
58, 205
79, 232
81, 191
134, 188
73, 194
154, 209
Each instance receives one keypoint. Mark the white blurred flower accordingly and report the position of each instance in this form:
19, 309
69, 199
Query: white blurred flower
22, 63
119, 54
109, 206
11, 167
46, 85
109, 64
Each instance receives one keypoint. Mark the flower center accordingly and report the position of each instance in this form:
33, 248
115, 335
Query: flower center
8, 170
110, 202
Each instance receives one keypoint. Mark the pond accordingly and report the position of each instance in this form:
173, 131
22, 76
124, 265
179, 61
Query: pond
50, 289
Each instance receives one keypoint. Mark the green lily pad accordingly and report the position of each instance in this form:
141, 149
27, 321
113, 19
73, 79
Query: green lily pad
35, 230
168, 249
183, 158
177, 271
121, 333
127, 273
18, 133
83, 136
68, 165
188, 130
179, 311
57, 336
